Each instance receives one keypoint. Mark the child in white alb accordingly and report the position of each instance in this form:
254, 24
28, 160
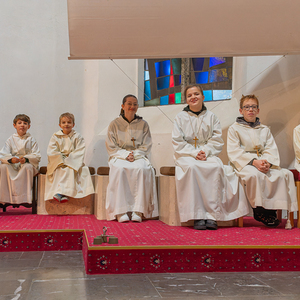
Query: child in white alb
67, 176
20, 158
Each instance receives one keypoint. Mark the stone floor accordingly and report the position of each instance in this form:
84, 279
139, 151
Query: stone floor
61, 276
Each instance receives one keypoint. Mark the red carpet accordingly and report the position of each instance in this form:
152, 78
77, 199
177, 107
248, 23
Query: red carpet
152, 246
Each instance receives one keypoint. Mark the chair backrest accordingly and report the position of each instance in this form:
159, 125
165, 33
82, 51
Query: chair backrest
167, 171
43, 170
103, 171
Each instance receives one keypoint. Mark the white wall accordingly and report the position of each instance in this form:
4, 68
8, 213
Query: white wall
36, 78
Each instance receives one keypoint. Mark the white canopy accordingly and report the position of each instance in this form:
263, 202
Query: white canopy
104, 29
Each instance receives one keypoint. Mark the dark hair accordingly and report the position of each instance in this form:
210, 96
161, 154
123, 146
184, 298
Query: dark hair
23, 118
191, 86
244, 98
124, 101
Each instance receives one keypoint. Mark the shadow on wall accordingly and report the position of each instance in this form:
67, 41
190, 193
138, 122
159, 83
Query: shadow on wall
96, 154
285, 72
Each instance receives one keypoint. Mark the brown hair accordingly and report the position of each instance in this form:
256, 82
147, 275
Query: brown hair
198, 86
67, 115
124, 101
23, 118
244, 98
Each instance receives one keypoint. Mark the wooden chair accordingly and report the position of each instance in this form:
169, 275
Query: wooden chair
101, 183
297, 183
33, 203
76, 206
168, 206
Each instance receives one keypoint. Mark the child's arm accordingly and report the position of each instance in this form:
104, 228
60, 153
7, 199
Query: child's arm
6, 153
76, 157
55, 157
34, 156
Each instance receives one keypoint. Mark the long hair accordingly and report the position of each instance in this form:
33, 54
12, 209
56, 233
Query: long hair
124, 101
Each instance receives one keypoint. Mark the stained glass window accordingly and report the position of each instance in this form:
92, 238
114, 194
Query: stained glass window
162, 79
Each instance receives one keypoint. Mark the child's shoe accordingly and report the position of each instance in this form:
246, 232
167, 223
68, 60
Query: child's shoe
136, 217
64, 199
57, 197
123, 218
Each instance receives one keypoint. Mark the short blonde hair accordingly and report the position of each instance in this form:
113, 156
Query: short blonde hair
244, 98
67, 115
23, 118
198, 86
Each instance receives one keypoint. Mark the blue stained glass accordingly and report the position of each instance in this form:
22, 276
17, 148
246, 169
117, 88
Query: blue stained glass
198, 64
146, 75
213, 61
147, 91
146, 64
208, 95
164, 100
201, 77
162, 68
163, 83
222, 94
218, 75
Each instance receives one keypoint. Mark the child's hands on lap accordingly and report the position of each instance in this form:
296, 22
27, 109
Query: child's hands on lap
201, 155
130, 157
261, 165
15, 160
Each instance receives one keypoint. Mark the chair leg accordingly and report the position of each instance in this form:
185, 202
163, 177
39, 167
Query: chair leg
292, 219
298, 200
240, 222
279, 215
34, 196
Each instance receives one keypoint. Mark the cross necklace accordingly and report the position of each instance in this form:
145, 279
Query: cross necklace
195, 138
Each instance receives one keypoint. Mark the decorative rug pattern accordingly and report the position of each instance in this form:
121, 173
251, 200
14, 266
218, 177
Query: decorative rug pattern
152, 246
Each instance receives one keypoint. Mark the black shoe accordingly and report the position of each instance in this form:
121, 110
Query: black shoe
268, 220
211, 224
199, 224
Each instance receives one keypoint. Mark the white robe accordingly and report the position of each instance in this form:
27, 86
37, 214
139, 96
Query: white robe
66, 173
16, 179
273, 190
296, 140
205, 189
131, 184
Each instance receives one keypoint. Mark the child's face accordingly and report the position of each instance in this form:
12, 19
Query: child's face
130, 106
194, 98
66, 124
250, 110
21, 127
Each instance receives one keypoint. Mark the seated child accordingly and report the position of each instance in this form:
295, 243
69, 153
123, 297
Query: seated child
253, 152
19, 163
66, 174
207, 191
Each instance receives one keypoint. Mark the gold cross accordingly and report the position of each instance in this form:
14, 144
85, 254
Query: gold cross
257, 149
195, 139
133, 139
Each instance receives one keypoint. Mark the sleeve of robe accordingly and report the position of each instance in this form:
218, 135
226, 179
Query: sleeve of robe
270, 152
55, 157
144, 148
5, 153
296, 141
240, 158
212, 147
34, 156
113, 149
75, 158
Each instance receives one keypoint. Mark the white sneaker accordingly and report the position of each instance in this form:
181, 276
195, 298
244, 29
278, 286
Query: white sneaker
136, 217
123, 218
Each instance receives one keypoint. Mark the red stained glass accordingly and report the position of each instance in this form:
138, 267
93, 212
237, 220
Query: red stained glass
172, 81
172, 98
